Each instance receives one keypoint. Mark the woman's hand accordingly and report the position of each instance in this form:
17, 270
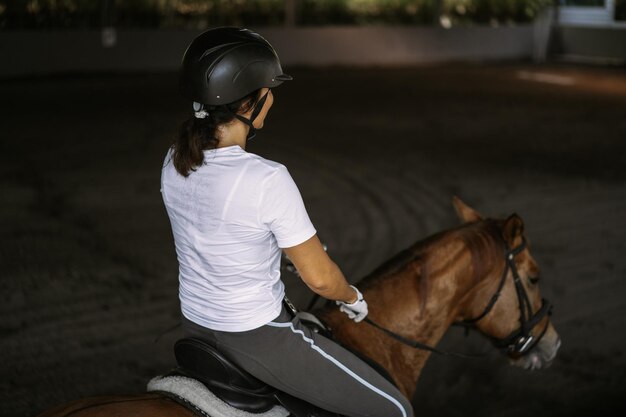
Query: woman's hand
356, 310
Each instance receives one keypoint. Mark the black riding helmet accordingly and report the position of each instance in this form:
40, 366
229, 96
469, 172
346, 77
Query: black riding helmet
223, 65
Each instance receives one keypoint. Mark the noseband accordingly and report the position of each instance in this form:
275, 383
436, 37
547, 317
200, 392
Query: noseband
520, 341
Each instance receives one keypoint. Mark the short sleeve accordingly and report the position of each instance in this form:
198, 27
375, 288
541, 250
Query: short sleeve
282, 210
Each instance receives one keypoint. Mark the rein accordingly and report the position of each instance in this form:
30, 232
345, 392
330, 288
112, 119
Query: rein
520, 341
418, 345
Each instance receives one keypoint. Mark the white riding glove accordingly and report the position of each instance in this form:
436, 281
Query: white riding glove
357, 310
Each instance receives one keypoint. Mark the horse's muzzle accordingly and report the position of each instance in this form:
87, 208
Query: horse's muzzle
542, 355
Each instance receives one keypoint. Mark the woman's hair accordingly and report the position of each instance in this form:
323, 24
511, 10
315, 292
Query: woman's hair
197, 135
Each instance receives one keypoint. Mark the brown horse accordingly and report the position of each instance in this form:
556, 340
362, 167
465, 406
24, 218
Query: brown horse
481, 272
448, 278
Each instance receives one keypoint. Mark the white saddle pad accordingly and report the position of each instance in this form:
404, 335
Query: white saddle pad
197, 394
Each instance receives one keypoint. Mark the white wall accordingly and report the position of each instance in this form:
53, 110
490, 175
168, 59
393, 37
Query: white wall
596, 45
399, 45
31, 53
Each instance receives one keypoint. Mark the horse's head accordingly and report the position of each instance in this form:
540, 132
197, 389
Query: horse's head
506, 304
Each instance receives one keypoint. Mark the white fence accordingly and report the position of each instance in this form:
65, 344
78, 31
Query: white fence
25, 53
33, 53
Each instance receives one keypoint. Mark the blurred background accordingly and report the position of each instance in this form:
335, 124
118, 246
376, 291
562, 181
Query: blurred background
397, 105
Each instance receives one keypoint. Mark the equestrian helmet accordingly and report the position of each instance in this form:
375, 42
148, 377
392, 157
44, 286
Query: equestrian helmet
225, 64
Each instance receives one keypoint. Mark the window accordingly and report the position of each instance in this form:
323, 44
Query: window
583, 3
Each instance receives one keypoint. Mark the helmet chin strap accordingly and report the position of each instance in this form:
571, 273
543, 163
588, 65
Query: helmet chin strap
255, 113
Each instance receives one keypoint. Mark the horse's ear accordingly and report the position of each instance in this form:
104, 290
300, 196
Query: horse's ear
513, 230
465, 212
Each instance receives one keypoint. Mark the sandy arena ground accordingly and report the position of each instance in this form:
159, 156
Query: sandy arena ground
89, 274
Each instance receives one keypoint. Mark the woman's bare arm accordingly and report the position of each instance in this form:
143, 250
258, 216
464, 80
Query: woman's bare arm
319, 272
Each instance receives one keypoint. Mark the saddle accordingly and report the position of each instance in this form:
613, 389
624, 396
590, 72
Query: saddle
199, 360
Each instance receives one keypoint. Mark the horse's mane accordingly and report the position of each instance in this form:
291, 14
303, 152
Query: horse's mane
485, 241
401, 260
482, 238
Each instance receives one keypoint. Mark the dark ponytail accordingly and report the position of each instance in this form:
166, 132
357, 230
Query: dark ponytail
197, 135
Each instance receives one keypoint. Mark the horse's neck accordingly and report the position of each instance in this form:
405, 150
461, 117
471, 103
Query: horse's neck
419, 302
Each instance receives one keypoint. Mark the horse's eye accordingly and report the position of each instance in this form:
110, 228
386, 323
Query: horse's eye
533, 280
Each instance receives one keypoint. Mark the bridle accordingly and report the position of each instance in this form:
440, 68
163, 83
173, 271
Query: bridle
519, 341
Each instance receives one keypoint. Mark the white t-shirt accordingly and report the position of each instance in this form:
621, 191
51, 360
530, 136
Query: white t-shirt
230, 218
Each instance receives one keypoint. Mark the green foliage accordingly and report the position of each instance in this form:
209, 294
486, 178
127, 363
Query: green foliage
26, 14
362, 12
419, 11
44, 14
47, 14
494, 11
227, 12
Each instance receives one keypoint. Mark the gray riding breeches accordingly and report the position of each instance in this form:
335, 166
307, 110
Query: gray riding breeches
289, 356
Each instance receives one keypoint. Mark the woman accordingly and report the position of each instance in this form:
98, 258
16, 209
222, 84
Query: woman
232, 212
